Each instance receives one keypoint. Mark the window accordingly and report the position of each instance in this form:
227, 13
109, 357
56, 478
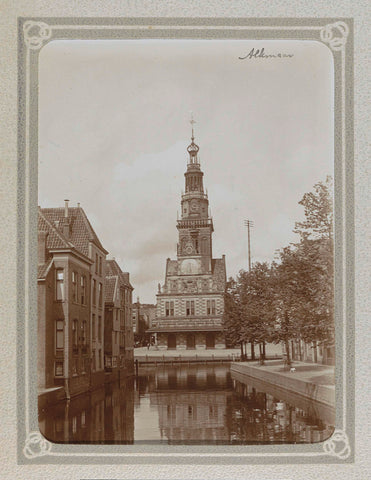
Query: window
59, 334
93, 327
58, 370
74, 287
74, 334
74, 424
85, 364
94, 292
204, 245
211, 307
84, 333
83, 290
59, 284
75, 365
169, 307
100, 294
94, 360
190, 307
99, 328
96, 263
100, 359
100, 265
83, 418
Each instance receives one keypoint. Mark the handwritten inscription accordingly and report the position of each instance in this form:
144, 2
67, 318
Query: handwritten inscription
260, 53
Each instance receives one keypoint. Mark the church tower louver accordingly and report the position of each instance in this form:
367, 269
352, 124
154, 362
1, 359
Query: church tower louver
190, 304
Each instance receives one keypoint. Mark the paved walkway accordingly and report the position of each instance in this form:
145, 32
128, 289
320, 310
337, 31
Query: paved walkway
312, 381
308, 372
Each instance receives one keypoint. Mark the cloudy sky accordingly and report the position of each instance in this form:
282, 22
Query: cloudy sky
114, 128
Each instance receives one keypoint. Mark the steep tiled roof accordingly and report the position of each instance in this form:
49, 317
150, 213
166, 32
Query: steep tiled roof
55, 238
110, 288
43, 269
113, 269
81, 230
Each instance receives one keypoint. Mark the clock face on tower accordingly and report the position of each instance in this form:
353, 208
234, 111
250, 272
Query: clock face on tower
195, 206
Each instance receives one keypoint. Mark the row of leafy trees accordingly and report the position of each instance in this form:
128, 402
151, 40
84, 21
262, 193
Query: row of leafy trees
290, 299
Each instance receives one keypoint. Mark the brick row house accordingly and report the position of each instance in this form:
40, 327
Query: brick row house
144, 314
71, 302
118, 326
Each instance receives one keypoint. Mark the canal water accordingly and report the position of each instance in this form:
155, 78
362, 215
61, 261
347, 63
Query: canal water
196, 404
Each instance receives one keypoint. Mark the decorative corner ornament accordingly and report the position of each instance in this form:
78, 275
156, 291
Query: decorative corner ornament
338, 445
327, 34
36, 445
36, 33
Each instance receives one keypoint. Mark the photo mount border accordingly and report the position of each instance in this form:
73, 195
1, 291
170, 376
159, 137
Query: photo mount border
33, 34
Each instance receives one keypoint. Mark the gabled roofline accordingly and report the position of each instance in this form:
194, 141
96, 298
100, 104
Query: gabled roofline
94, 238
42, 279
74, 251
55, 230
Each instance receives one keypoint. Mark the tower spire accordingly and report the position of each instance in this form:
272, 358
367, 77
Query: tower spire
193, 148
192, 122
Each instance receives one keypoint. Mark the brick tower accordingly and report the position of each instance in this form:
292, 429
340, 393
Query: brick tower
190, 304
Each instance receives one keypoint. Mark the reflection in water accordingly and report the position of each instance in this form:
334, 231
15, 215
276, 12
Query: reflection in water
186, 404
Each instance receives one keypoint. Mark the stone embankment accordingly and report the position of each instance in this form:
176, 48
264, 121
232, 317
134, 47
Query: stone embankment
311, 381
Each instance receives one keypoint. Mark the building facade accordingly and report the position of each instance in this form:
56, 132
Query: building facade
190, 304
64, 298
118, 327
72, 278
143, 316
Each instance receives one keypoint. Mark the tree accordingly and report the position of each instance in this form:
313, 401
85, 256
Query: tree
318, 211
232, 315
304, 275
316, 234
257, 306
292, 299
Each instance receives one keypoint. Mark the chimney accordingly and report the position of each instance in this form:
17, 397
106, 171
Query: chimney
66, 223
66, 208
42, 250
78, 204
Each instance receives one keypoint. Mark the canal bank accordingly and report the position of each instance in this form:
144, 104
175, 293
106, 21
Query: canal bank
186, 404
311, 381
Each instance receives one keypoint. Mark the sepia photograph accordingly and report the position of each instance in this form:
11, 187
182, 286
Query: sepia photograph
185, 279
